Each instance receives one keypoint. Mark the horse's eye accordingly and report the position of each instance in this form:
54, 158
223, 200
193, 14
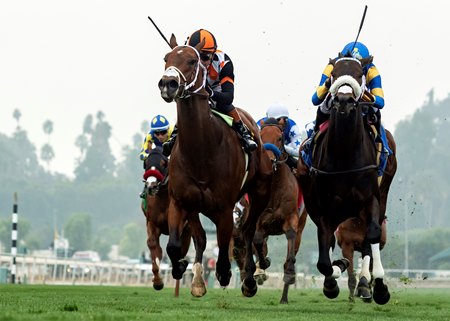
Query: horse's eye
192, 62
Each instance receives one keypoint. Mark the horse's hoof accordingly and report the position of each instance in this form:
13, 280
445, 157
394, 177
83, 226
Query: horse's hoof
158, 286
289, 278
179, 269
224, 280
363, 290
198, 291
249, 287
381, 293
330, 288
259, 278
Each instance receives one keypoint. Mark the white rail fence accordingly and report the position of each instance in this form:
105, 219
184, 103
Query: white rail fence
44, 270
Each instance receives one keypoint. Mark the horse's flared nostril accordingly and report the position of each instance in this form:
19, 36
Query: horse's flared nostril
160, 84
173, 84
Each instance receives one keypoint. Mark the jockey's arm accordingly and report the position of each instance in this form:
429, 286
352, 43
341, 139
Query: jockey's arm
295, 139
373, 84
324, 86
146, 147
225, 95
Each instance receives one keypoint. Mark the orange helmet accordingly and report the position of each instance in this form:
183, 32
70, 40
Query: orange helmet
199, 35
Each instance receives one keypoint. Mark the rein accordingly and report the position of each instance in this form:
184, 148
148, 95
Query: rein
315, 171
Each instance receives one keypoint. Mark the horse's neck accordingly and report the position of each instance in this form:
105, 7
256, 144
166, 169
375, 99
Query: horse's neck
346, 139
197, 135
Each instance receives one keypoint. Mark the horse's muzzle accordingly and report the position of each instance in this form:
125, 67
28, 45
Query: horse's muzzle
168, 88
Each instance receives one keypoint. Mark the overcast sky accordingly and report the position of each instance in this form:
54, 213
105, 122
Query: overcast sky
61, 60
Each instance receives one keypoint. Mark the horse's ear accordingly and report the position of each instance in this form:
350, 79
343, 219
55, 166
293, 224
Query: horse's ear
367, 61
173, 41
200, 45
332, 61
340, 55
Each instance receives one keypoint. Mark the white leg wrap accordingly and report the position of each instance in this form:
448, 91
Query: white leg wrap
336, 272
378, 272
365, 272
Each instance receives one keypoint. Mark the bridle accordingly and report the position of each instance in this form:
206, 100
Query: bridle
185, 87
346, 84
277, 151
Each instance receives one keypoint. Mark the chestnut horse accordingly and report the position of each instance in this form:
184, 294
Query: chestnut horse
208, 167
343, 181
350, 234
155, 207
283, 214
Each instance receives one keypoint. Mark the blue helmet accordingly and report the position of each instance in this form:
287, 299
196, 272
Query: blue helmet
357, 50
159, 123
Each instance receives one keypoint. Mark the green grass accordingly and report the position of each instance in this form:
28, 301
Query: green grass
31, 302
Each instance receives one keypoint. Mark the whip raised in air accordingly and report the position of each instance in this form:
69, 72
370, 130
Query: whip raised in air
360, 27
162, 35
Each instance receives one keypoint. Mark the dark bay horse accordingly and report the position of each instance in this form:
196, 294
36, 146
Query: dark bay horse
284, 213
350, 235
342, 182
155, 208
208, 167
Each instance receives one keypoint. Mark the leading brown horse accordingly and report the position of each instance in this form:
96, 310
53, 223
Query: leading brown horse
343, 182
209, 169
285, 213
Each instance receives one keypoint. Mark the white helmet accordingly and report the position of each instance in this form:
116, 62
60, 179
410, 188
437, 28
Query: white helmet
277, 110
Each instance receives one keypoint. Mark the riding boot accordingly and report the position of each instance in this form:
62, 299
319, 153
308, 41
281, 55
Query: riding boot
238, 125
167, 146
320, 119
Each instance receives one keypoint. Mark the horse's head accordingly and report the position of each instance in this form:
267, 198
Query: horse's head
347, 83
156, 167
184, 73
273, 139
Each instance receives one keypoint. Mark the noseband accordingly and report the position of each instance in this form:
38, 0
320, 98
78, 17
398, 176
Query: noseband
173, 71
347, 84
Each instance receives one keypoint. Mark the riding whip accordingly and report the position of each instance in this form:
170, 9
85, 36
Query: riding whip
357, 36
162, 35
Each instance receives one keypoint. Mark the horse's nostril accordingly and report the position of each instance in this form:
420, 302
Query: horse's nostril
160, 84
173, 84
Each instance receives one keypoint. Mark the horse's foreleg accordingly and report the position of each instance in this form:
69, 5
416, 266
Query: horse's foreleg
380, 292
348, 251
224, 225
198, 288
330, 271
249, 286
364, 290
155, 254
176, 221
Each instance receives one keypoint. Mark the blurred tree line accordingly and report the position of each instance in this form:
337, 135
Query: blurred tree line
100, 206
96, 209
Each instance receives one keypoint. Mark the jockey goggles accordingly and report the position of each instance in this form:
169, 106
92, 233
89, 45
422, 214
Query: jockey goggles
162, 132
206, 57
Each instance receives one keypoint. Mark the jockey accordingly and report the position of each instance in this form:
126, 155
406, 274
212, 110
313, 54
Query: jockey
292, 135
373, 93
160, 132
219, 85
